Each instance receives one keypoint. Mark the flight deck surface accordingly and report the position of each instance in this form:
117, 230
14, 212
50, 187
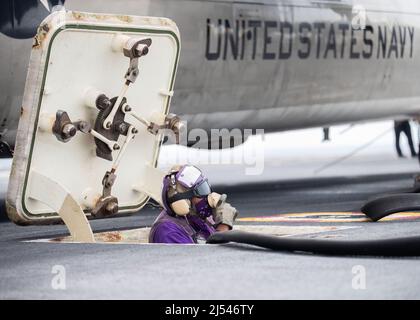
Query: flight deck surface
141, 271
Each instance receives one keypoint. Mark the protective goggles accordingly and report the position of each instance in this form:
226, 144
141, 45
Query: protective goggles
191, 177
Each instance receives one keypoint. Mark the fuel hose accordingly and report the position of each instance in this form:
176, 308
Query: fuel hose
397, 247
386, 205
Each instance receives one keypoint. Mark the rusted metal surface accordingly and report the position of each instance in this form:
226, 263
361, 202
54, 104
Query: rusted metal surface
158, 21
82, 16
79, 15
124, 18
44, 28
112, 237
41, 35
139, 236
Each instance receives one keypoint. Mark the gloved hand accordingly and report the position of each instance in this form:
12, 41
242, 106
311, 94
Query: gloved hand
223, 212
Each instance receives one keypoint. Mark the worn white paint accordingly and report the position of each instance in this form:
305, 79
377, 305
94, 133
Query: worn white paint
55, 196
72, 68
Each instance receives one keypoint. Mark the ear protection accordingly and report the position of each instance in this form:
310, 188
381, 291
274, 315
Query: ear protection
181, 207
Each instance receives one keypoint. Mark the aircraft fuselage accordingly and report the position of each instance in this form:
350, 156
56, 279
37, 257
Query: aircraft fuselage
267, 64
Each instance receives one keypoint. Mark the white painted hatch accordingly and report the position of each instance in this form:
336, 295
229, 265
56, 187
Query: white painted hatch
73, 52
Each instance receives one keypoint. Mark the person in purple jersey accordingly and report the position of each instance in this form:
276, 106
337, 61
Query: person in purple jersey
192, 212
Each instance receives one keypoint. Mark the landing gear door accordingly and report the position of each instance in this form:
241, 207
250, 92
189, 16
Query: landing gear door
97, 94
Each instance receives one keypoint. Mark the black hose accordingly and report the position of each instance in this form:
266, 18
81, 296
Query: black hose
387, 205
398, 247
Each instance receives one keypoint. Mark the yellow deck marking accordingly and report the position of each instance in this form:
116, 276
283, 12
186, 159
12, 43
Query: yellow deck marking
330, 217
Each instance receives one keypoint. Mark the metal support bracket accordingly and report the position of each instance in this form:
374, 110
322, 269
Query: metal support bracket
55, 196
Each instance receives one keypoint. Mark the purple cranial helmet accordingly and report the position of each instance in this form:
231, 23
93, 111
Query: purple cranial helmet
196, 185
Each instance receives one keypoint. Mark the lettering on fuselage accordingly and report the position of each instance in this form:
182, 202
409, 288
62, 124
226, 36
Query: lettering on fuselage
270, 40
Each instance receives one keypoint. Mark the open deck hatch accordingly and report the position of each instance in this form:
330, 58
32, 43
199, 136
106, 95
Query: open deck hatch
97, 95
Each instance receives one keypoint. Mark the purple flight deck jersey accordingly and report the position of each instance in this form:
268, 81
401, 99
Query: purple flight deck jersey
176, 229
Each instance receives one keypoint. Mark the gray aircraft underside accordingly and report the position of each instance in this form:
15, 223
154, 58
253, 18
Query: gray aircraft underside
264, 64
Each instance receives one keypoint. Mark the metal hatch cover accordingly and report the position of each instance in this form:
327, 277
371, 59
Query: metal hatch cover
98, 90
